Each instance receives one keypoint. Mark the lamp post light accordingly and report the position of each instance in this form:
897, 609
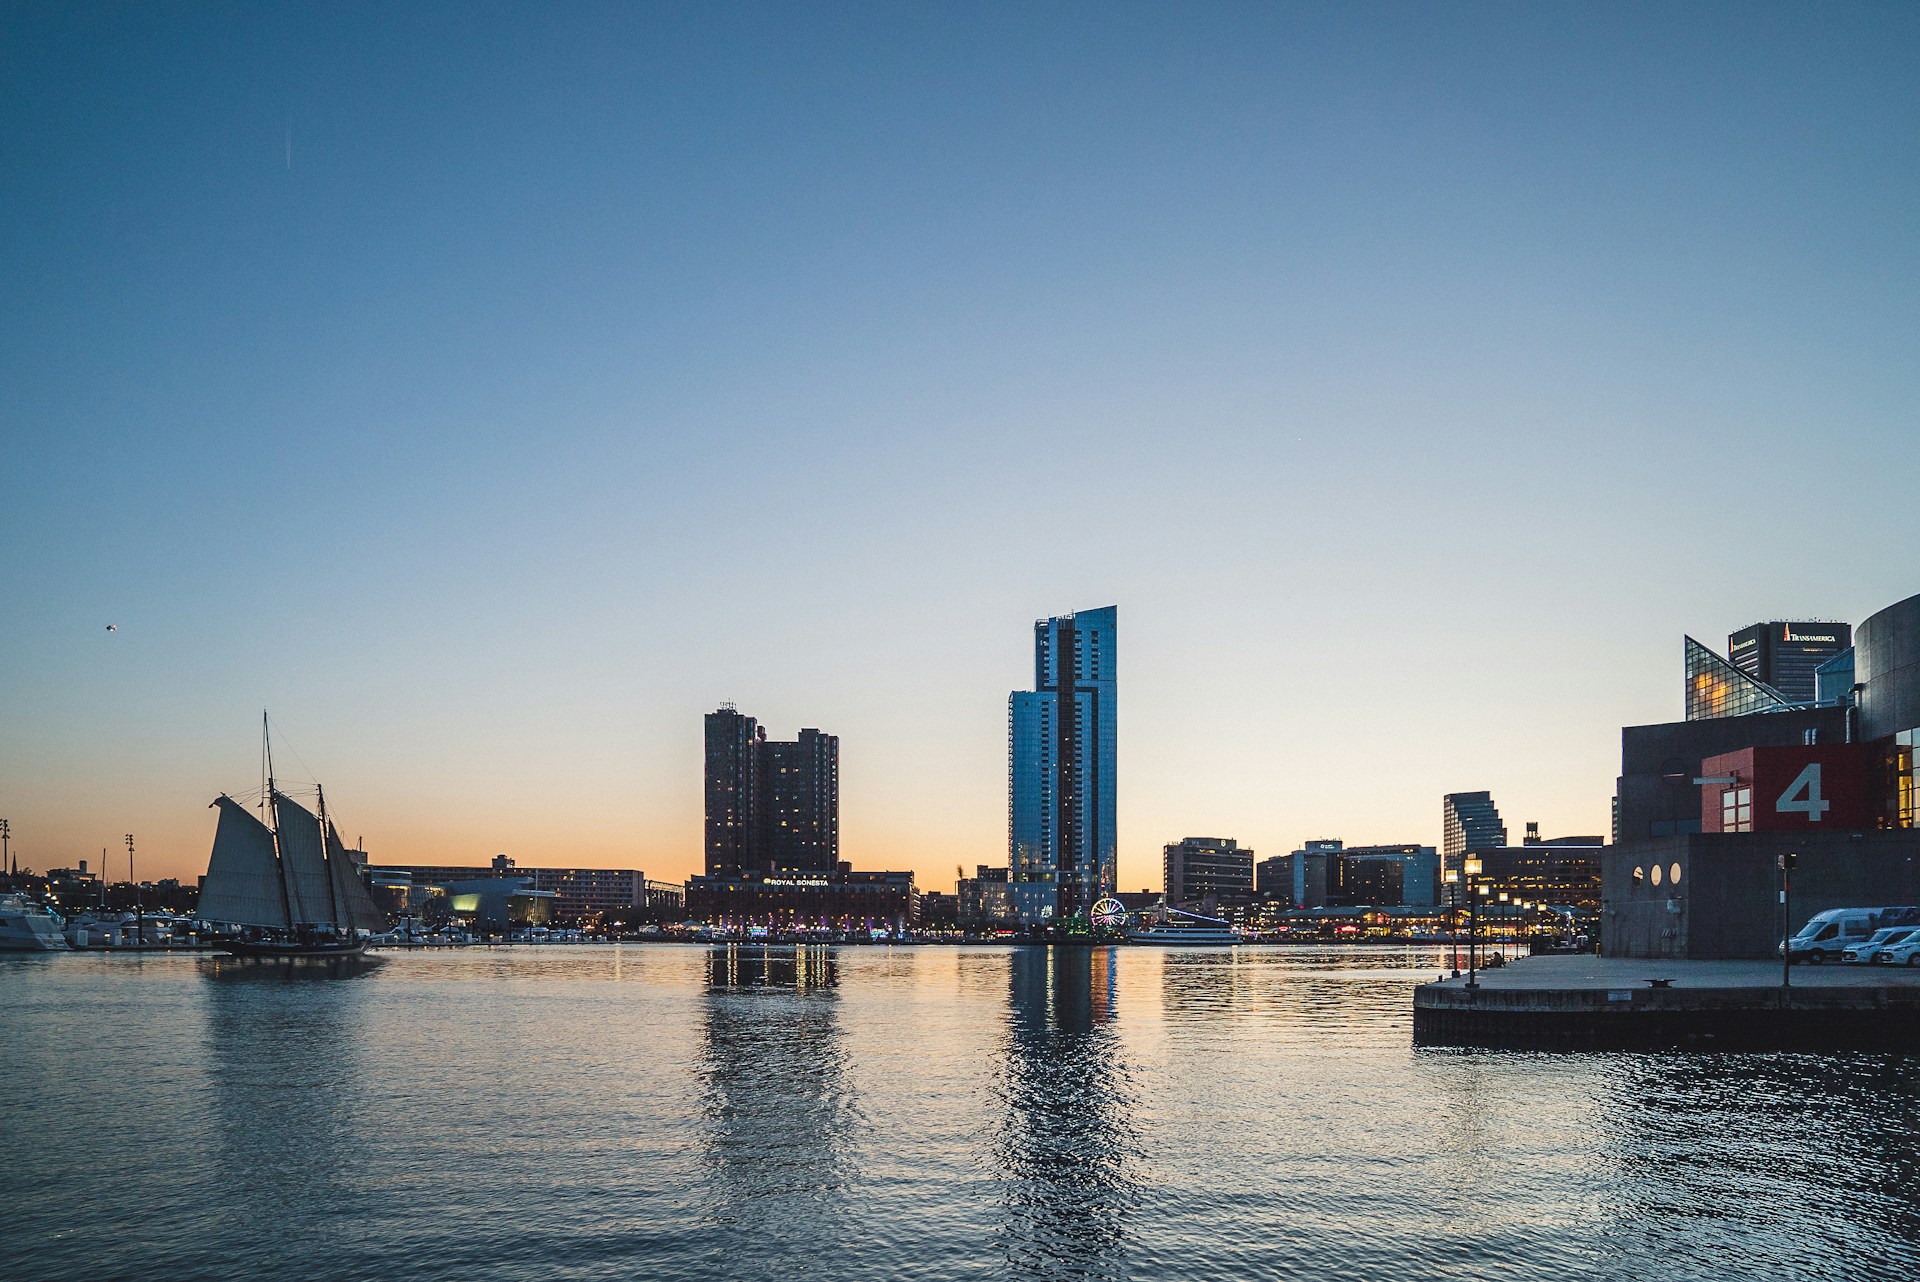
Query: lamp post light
1470, 868
1786, 862
1452, 879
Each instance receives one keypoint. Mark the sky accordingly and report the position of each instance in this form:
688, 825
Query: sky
489, 391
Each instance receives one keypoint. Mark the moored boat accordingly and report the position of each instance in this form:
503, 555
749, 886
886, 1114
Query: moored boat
1166, 924
28, 927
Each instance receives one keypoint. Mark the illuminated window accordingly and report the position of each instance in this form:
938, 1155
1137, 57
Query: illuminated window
1736, 810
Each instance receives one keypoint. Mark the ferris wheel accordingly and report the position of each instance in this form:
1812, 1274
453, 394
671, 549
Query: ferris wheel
1108, 913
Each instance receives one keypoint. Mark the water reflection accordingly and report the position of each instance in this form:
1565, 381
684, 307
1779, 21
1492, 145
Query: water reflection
799, 967
780, 1125
290, 969
283, 1046
1069, 1150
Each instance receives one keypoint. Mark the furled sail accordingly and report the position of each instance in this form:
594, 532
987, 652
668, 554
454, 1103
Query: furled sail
243, 876
357, 908
300, 850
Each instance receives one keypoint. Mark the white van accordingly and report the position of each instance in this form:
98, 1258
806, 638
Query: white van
1826, 935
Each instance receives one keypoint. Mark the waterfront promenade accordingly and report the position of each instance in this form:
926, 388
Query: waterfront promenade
1587, 1002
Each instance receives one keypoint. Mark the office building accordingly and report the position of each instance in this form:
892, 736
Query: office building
1561, 872
985, 901
772, 806
1061, 768
731, 827
1391, 876
666, 900
797, 803
1468, 820
1196, 867
1327, 873
1785, 656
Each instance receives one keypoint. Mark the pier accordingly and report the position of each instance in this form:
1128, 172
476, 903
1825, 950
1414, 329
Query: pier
1626, 1003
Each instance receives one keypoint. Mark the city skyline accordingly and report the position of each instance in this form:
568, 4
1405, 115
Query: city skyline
488, 418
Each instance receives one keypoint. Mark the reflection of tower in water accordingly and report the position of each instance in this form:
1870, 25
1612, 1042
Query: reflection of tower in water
772, 966
1069, 1148
778, 1109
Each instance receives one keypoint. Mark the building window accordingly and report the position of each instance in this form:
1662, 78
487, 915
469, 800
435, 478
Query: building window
1736, 810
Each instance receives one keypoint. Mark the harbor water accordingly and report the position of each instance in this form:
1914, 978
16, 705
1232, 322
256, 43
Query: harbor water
686, 1112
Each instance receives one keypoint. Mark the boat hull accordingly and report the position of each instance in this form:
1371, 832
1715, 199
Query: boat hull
274, 950
1185, 938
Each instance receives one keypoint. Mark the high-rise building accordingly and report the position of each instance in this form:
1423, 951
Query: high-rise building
1062, 762
1196, 867
730, 791
797, 803
1784, 656
771, 806
1468, 820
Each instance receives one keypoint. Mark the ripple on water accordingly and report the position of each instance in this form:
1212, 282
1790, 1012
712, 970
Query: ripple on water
867, 1113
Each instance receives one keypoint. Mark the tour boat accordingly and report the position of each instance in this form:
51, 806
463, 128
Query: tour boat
1166, 924
286, 880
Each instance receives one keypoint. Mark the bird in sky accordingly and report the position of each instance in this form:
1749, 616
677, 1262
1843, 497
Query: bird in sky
113, 627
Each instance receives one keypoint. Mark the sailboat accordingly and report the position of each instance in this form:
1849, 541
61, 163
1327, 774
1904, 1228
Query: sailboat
285, 879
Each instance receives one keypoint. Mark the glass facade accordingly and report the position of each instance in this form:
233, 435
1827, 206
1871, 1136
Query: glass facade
1715, 688
1062, 759
1899, 785
1833, 680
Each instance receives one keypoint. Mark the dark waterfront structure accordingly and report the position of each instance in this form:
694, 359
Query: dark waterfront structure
1607, 1003
1784, 656
576, 892
1196, 867
1656, 796
1562, 872
772, 806
841, 900
986, 901
1705, 809
1062, 763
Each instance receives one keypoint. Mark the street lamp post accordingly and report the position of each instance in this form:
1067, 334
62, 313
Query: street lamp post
1452, 879
139, 914
1470, 868
1786, 919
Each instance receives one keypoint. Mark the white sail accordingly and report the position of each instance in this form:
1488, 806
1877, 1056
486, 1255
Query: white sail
357, 908
306, 864
243, 885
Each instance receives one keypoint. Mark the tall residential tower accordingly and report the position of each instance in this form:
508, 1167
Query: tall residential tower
771, 806
1061, 765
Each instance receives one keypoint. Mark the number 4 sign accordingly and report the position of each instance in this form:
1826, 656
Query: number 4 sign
1803, 795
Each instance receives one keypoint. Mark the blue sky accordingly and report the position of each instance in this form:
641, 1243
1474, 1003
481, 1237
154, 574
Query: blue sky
1411, 377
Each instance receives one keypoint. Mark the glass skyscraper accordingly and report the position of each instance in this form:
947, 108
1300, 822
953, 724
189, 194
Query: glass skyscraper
1062, 761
